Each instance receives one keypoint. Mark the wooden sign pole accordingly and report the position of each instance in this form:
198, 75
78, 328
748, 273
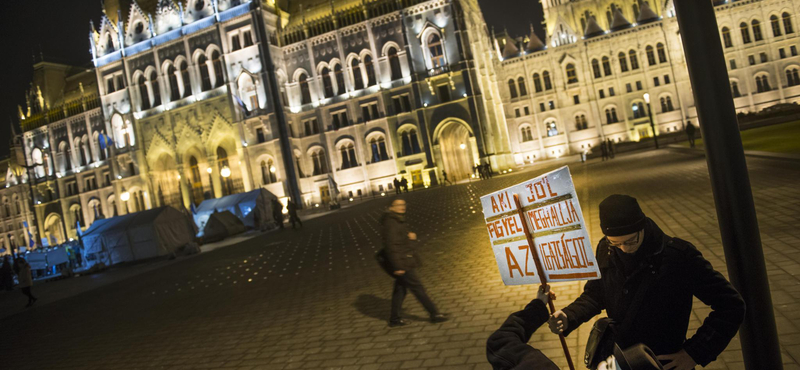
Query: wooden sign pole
540, 271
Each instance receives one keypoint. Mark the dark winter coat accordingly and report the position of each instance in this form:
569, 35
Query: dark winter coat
690, 129
679, 273
400, 251
508, 348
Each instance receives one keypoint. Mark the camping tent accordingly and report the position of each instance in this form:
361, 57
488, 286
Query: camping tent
254, 208
135, 236
221, 225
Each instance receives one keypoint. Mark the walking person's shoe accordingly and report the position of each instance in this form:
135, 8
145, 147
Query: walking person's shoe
439, 317
397, 322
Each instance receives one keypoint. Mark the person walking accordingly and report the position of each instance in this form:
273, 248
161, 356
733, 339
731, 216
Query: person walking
292, 208
277, 213
508, 349
649, 280
402, 259
26, 280
7, 274
444, 175
397, 188
690, 132
610, 149
604, 149
404, 184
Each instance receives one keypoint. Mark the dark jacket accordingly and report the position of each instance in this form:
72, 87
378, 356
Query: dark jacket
679, 272
399, 249
508, 348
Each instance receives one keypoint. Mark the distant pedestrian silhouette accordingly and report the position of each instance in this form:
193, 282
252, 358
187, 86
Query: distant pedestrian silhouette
404, 184
690, 131
397, 188
292, 207
26, 280
7, 274
604, 149
277, 213
444, 175
610, 148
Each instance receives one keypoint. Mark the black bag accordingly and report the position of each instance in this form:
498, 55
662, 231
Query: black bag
600, 344
383, 261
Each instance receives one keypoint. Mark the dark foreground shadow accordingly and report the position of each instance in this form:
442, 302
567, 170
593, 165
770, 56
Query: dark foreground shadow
379, 308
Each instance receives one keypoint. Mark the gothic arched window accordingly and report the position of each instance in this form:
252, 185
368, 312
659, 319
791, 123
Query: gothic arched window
662, 53
174, 87
394, 64
144, 98
756, 30
436, 51
337, 71
596, 68
634, 59
726, 37
537, 82
205, 76
358, 79
776, 25
547, 83
305, 92
187, 84
522, 90
606, 66
623, 62
787, 23
572, 76
216, 60
369, 67
745, 32
651, 56
156, 90
512, 88
327, 84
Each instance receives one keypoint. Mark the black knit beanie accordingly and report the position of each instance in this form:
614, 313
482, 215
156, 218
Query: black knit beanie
621, 215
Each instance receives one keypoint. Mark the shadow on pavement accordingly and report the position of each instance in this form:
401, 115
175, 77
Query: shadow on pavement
378, 308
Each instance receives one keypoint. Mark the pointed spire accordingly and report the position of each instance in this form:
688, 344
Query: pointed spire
646, 14
592, 29
619, 21
510, 50
534, 43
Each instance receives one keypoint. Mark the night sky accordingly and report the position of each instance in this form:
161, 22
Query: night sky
59, 30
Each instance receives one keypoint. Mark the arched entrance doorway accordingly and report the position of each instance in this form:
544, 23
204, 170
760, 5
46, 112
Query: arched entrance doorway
166, 184
54, 229
458, 150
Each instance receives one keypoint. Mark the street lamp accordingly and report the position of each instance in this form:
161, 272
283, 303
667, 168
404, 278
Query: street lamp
125, 197
211, 180
225, 172
463, 146
650, 114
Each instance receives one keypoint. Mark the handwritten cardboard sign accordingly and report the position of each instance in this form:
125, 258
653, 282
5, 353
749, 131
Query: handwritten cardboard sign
553, 215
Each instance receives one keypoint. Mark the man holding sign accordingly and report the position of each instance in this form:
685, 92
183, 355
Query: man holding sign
538, 234
648, 282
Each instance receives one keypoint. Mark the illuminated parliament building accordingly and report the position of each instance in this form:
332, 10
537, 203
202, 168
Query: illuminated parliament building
323, 100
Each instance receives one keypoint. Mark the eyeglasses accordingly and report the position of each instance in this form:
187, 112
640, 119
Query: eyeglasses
628, 243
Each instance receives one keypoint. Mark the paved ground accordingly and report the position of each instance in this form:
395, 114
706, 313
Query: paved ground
315, 299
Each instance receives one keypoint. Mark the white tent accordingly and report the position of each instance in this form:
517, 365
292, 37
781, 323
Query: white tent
135, 236
254, 208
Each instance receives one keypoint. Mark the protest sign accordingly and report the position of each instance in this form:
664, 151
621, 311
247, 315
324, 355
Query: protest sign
553, 218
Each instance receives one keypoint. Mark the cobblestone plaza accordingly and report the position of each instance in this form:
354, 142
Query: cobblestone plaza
315, 298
